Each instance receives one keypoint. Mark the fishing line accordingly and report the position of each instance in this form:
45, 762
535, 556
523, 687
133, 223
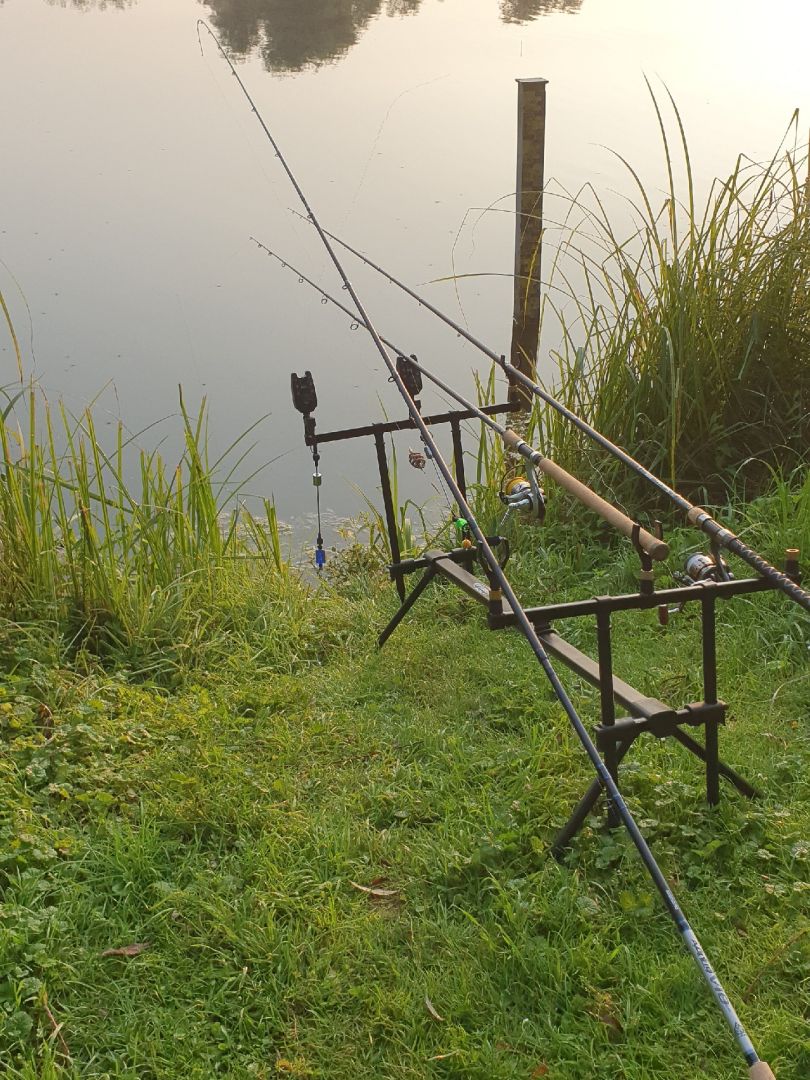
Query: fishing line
251, 148
446, 392
356, 321
402, 94
457, 240
500, 583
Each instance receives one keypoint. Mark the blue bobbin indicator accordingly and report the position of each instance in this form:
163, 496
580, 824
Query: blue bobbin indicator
320, 558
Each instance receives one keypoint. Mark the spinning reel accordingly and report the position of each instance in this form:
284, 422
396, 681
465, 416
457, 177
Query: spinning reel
523, 494
702, 567
699, 567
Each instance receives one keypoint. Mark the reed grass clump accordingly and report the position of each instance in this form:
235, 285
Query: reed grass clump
142, 568
688, 340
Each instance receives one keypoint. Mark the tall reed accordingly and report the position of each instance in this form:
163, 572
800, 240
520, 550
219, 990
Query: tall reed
688, 340
120, 564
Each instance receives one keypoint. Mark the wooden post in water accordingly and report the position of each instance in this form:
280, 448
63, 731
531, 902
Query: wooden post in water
531, 148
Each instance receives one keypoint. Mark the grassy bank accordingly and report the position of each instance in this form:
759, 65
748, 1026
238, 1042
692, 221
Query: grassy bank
236, 840
140, 570
336, 859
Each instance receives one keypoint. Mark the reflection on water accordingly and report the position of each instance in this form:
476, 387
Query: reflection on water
294, 34
291, 35
522, 11
87, 4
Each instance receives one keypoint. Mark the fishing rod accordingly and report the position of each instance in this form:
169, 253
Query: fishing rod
653, 546
500, 586
695, 515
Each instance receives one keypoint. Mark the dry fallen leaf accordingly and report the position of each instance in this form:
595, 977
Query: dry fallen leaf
606, 1011
128, 950
45, 717
431, 1008
374, 892
541, 1070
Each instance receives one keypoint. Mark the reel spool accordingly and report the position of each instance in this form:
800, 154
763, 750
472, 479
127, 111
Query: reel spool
698, 567
702, 567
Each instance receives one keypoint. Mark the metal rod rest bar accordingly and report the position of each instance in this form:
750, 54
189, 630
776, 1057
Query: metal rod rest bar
637, 601
403, 425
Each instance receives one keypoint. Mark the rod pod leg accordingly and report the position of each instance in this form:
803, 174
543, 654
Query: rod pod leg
407, 604
562, 840
607, 704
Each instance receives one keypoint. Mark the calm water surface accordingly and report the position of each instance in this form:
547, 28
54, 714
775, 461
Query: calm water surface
133, 175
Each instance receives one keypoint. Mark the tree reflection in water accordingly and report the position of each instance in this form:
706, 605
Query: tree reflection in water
521, 11
291, 35
87, 4
294, 34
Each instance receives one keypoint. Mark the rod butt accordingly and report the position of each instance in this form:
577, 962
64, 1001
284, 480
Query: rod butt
761, 1071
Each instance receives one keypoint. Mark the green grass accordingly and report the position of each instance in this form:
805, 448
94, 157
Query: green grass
224, 822
142, 569
203, 754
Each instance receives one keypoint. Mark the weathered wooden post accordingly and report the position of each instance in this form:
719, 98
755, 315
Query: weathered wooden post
531, 146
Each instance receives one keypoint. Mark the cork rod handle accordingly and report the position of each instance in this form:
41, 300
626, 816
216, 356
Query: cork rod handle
761, 1071
655, 548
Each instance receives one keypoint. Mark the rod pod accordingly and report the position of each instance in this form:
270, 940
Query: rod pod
497, 575
695, 515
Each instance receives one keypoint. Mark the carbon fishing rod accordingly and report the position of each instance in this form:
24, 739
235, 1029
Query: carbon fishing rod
695, 515
759, 1070
651, 545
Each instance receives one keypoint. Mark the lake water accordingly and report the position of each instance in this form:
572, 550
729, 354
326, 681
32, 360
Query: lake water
133, 175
